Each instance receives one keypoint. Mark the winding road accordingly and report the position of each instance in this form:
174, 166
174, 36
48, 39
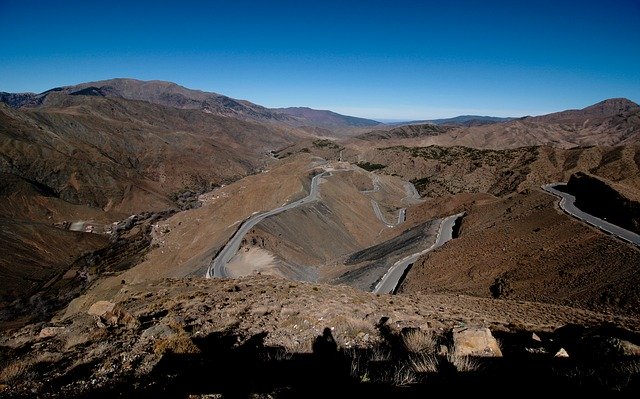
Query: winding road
217, 268
567, 204
401, 214
412, 193
390, 280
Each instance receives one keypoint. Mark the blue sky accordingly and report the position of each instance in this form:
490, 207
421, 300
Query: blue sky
378, 59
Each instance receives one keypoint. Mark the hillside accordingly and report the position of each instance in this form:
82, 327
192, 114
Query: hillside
325, 119
610, 122
441, 171
538, 254
110, 192
138, 154
92, 161
262, 335
173, 95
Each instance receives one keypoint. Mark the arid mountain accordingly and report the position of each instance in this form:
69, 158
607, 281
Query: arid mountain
326, 119
442, 171
117, 197
129, 155
610, 122
461, 120
522, 247
602, 110
407, 132
172, 95
470, 120
90, 161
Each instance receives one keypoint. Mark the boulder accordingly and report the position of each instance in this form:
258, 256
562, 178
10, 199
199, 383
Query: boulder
111, 314
475, 341
629, 349
101, 308
49, 332
158, 331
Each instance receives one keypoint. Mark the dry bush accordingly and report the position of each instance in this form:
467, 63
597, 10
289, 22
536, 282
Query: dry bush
176, 344
21, 369
424, 364
14, 372
380, 354
418, 341
348, 328
295, 345
462, 364
359, 363
402, 376
279, 355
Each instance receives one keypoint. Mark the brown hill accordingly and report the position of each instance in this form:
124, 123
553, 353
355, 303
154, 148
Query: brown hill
79, 158
173, 95
522, 247
126, 155
325, 119
610, 122
443, 171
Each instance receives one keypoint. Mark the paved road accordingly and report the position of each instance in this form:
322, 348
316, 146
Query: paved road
217, 268
378, 212
402, 213
390, 280
567, 203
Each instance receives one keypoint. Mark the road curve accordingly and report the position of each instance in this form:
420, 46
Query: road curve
402, 213
390, 280
217, 268
567, 204
380, 216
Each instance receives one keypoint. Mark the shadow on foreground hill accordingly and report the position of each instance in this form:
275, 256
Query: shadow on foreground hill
409, 363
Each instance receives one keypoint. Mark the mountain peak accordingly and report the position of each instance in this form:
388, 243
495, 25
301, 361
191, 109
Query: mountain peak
612, 106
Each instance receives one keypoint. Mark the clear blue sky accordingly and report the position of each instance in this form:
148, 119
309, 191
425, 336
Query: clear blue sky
379, 59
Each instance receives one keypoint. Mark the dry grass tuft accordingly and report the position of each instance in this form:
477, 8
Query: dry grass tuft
176, 344
20, 369
402, 376
462, 364
418, 341
13, 372
424, 364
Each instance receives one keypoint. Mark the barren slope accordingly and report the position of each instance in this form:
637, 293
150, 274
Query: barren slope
608, 123
343, 221
127, 155
540, 253
194, 336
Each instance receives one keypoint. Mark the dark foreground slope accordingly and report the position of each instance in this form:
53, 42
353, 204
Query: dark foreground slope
272, 337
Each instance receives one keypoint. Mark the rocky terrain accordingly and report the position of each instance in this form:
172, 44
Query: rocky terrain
537, 254
116, 197
269, 336
175, 96
609, 123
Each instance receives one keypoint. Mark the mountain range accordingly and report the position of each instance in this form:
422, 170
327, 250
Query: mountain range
118, 196
172, 95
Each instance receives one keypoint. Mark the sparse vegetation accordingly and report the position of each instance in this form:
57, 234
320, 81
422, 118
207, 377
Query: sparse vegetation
324, 143
462, 364
424, 363
500, 288
368, 166
418, 341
